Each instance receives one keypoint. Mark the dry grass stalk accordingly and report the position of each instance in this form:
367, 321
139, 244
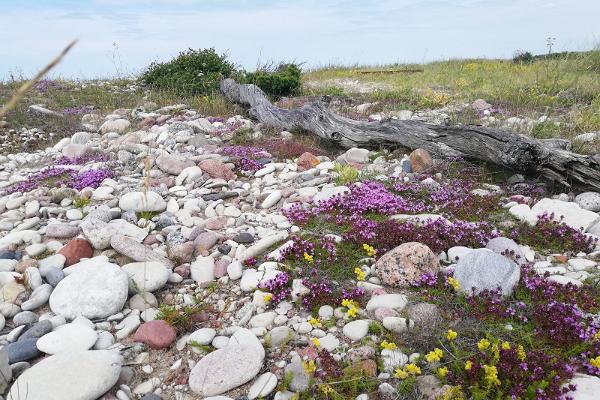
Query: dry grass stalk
27, 85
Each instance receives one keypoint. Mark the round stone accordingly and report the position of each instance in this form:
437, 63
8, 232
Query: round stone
140, 201
404, 265
146, 276
483, 269
95, 291
70, 337
156, 334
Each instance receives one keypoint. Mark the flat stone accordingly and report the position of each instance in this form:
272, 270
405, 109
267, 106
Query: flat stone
67, 338
571, 213
140, 201
589, 201
156, 334
393, 301
229, 367
23, 350
356, 330
46, 379
137, 251
263, 386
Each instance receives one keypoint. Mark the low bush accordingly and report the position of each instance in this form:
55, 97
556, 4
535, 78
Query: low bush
284, 80
191, 72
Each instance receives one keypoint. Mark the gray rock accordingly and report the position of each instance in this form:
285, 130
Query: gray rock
300, 378
25, 318
38, 298
37, 330
589, 201
22, 350
137, 251
146, 276
140, 201
54, 276
5, 371
483, 269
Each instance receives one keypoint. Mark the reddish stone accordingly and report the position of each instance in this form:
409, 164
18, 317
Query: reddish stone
216, 223
216, 169
378, 291
156, 334
182, 270
221, 268
403, 265
307, 161
75, 250
420, 160
366, 367
383, 312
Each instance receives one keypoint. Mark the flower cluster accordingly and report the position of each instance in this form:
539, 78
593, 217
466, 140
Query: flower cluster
90, 157
45, 85
555, 236
278, 287
246, 158
77, 110
59, 176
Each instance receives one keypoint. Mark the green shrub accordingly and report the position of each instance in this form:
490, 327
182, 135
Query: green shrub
285, 80
523, 57
191, 72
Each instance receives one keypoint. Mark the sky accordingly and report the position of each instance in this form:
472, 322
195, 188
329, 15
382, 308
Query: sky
121, 37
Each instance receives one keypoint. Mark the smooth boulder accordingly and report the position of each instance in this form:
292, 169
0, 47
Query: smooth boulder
482, 269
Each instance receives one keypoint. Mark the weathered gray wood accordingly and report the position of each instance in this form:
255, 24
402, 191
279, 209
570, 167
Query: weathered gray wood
507, 149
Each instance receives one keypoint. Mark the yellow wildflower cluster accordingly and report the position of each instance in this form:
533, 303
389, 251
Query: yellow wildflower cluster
491, 374
316, 342
352, 307
435, 355
595, 362
409, 369
454, 283
505, 346
521, 353
451, 334
483, 344
309, 367
370, 250
596, 337
308, 258
442, 372
468, 365
268, 297
326, 390
315, 322
388, 345
360, 274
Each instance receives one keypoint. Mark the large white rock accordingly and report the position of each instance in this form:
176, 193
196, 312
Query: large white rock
203, 270
76, 336
229, 367
79, 375
146, 276
573, 215
356, 330
94, 292
115, 125
329, 192
588, 387
140, 201
263, 386
393, 301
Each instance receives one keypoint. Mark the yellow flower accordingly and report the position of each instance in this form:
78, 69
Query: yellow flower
451, 334
388, 345
521, 353
400, 374
442, 372
483, 344
596, 337
491, 374
315, 322
370, 250
308, 257
435, 355
326, 389
413, 369
454, 283
349, 303
316, 342
360, 274
309, 367
352, 312
267, 297
505, 346
468, 365
595, 362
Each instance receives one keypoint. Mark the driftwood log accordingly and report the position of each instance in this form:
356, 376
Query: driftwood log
514, 151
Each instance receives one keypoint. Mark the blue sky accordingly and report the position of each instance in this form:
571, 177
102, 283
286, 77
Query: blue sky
123, 36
